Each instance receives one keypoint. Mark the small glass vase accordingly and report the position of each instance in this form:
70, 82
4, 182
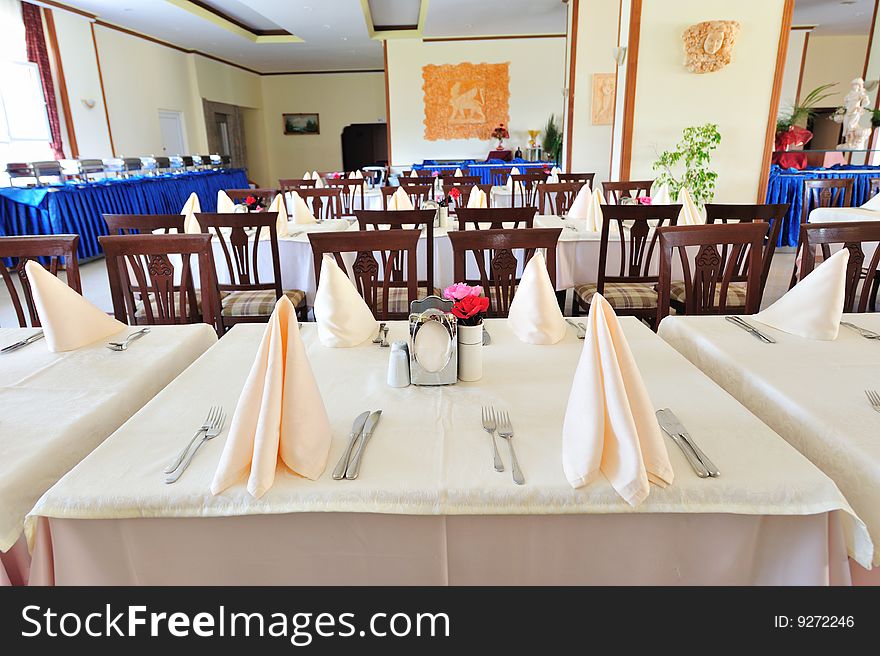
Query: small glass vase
500, 145
470, 352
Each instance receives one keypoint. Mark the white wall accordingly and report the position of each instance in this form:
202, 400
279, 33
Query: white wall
836, 58
794, 57
340, 99
669, 98
597, 38
537, 77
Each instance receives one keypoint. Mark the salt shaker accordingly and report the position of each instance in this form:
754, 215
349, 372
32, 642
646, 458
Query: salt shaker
398, 365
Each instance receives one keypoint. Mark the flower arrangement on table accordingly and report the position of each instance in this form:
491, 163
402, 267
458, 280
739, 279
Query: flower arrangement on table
254, 204
444, 200
470, 306
500, 133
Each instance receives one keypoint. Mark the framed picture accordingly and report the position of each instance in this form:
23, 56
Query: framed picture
301, 124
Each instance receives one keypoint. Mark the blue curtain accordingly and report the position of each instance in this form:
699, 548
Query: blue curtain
78, 208
787, 186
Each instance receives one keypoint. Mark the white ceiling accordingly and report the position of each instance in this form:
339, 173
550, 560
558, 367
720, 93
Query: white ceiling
835, 16
334, 32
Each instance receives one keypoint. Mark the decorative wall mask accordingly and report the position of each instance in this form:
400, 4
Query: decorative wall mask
465, 101
708, 46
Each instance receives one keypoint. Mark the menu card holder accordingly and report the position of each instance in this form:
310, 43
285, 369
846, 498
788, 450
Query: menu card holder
433, 342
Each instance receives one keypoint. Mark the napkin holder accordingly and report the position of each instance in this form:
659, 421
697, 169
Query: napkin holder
433, 311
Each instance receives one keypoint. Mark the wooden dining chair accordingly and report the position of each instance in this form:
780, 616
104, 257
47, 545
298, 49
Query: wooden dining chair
417, 194
826, 192
499, 176
493, 252
325, 203
134, 224
628, 192
556, 197
583, 178
525, 189
56, 251
286, 185
772, 215
860, 272
462, 180
631, 289
351, 196
395, 220
719, 254
264, 195
495, 218
875, 187
152, 281
386, 297
242, 240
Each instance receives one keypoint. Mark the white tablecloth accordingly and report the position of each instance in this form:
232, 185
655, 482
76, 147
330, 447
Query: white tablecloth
810, 392
839, 214
430, 457
57, 407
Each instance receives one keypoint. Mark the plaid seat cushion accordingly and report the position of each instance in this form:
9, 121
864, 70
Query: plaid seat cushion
736, 294
398, 299
141, 313
259, 303
622, 295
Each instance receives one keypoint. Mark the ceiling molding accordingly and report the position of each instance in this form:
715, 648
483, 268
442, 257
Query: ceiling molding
492, 37
51, 4
230, 24
365, 70
384, 32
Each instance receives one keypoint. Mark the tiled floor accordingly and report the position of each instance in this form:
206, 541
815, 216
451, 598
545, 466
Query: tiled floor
96, 288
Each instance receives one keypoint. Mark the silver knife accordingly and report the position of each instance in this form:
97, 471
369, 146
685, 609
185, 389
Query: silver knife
736, 321
356, 428
355, 465
673, 426
29, 340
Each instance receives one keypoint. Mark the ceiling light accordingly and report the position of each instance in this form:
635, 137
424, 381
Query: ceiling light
344, 38
326, 27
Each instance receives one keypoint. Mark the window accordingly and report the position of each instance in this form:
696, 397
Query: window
23, 110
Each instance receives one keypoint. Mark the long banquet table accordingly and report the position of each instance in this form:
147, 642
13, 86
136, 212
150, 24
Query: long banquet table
57, 407
482, 169
77, 208
428, 507
812, 393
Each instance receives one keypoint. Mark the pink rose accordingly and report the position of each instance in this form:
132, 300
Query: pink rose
460, 290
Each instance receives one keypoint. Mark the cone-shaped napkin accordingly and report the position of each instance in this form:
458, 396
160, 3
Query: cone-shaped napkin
224, 203
610, 426
534, 315
580, 206
477, 198
873, 203
189, 211
352, 176
358, 174
69, 321
813, 307
689, 214
280, 413
277, 205
400, 200
513, 171
301, 211
660, 195
458, 173
319, 181
343, 317
307, 176
413, 174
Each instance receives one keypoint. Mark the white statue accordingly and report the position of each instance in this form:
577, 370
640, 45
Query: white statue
854, 105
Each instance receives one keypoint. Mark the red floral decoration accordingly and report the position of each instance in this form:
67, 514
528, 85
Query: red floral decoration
470, 309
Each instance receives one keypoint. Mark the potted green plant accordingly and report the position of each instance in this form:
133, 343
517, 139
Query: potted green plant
801, 113
552, 141
687, 165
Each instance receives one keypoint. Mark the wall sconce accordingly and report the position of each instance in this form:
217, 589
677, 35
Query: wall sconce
619, 54
89, 103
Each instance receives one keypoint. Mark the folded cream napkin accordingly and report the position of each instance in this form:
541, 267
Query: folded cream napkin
224, 203
189, 211
307, 176
352, 176
580, 206
609, 425
343, 318
813, 307
873, 203
477, 198
277, 205
660, 195
458, 173
358, 174
301, 211
280, 413
689, 214
513, 171
319, 181
595, 218
69, 321
534, 315
400, 200
413, 174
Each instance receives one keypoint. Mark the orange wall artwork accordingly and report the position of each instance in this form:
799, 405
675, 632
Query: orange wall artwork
465, 101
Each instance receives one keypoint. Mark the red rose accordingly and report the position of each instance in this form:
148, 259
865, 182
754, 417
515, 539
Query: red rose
250, 200
470, 306
454, 193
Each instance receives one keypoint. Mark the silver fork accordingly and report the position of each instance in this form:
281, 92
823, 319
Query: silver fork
122, 346
489, 424
206, 425
874, 398
505, 430
215, 429
581, 328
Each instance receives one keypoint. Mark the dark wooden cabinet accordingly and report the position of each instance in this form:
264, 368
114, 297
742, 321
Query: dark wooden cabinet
364, 144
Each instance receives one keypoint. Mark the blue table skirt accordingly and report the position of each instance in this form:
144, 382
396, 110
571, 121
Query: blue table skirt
482, 169
77, 208
787, 186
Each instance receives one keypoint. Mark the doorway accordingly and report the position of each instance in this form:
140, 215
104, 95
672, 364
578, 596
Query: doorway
173, 133
225, 127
